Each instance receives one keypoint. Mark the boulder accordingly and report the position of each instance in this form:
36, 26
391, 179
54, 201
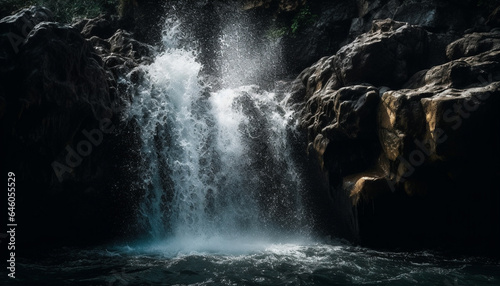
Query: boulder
120, 52
59, 114
348, 110
407, 160
387, 55
365, 187
124, 44
473, 44
435, 15
341, 129
14, 29
322, 36
102, 26
51, 44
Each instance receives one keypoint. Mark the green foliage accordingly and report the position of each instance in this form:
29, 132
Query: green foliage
64, 10
302, 19
277, 32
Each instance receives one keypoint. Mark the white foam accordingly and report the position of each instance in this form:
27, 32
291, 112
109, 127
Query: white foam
218, 172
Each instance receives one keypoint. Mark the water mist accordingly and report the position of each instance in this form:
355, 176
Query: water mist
217, 167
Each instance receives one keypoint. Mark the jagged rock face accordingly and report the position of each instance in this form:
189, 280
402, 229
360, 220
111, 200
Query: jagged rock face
403, 48
118, 48
54, 72
385, 56
337, 23
435, 15
473, 44
407, 167
344, 116
59, 116
14, 30
102, 27
437, 115
323, 37
61, 70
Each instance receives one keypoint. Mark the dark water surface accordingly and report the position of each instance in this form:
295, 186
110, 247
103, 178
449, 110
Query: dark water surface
252, 263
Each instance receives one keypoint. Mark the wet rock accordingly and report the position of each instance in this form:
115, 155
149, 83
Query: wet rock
435, 15
341, 129
387, 55
349, 110
48, 46
124, 44
424, 118
58, 119
366, 187
322, 37
118, 50
404, 165
14, 29
102, 27
23, 21
473, 44
399, 114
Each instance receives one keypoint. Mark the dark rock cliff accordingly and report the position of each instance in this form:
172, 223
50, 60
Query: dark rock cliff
323, 27
409, 151
62, 94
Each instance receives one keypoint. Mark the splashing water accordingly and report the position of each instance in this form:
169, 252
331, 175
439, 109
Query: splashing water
215, 165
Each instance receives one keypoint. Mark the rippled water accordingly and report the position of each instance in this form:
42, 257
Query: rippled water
253, 262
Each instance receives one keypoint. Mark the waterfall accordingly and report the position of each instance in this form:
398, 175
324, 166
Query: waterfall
217, 164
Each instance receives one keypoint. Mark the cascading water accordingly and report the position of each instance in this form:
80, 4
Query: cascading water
217, 165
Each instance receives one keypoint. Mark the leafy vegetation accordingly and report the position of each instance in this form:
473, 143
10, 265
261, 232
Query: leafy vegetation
277, 32
300, 20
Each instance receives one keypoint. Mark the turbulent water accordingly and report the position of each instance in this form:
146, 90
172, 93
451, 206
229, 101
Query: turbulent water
216, 164
255, 263
223, 194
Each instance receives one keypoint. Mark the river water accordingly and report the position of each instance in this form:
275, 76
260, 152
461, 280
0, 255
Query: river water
255, 262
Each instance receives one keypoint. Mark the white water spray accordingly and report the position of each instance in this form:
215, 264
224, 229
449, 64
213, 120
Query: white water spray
217, 166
